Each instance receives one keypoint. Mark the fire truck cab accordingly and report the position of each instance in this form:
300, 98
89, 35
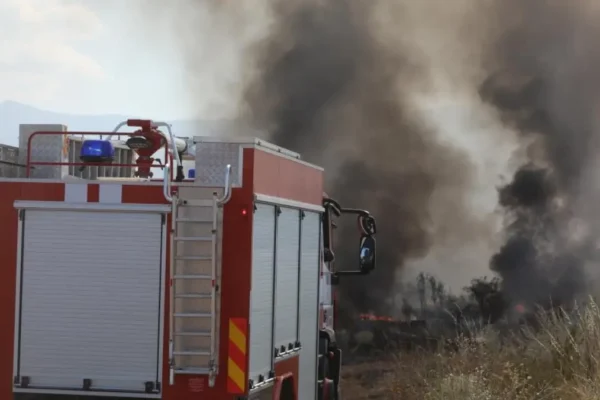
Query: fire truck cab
212, 281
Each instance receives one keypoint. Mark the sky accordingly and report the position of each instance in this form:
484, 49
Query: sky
99, 56
165, 60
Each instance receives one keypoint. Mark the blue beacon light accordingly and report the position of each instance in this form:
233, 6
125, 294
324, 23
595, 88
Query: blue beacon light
97, 151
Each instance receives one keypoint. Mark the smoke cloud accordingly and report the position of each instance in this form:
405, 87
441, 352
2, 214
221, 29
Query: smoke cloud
543, 80
327, 86
356, 86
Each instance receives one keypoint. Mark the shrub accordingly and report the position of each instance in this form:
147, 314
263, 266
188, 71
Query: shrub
558, 359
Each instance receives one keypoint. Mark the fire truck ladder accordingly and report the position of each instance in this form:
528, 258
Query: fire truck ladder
194, 272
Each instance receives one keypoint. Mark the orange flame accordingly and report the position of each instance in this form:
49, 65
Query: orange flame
520, 308
372, 317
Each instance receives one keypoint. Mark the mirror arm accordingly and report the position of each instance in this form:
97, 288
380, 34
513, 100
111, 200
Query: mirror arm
333, 205
354, 211
338, 210
335, 276
367, 225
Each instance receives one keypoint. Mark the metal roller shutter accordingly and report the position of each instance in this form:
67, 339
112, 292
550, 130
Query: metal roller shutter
261, 295
90, 299
286, 278
309, 304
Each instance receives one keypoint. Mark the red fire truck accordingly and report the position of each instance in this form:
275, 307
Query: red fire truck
212, 281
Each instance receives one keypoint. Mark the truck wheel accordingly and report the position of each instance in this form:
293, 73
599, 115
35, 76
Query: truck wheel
287, 390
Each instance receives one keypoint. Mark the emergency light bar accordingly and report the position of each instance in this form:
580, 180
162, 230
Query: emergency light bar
97, 151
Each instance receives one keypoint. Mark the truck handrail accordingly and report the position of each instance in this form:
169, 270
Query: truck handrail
167, 185
227, 187
29, 163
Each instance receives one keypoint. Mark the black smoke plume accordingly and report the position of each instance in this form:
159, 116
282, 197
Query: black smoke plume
544, 83
328, 88
336, 80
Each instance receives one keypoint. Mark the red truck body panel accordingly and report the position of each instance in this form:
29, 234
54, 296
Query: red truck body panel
263, 173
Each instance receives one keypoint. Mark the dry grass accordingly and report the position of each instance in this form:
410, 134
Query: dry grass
560, 361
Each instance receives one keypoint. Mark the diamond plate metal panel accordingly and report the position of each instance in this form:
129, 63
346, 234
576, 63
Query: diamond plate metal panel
9, 153
9, 162
11, 171
48, 148
212, 159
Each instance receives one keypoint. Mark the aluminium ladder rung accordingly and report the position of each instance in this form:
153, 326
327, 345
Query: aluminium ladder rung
195, 220
193, 238
193, 258
195, 271
192, 370
193, 296
193, 333
193, 276
193, 315
192, 353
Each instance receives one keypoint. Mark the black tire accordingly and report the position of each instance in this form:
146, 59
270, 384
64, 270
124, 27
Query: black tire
287, 390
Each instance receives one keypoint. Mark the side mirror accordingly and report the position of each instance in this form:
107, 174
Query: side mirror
366, 255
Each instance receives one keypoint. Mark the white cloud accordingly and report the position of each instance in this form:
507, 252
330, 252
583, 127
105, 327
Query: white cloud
64, 17
41, 44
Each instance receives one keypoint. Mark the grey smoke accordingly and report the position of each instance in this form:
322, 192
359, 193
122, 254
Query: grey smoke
341, 81
328, 88
544, 70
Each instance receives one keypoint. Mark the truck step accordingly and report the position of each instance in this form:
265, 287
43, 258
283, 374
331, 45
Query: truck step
196, 203
192, 353
193, 238
193, 333
193, 258
193, 276
193, 315
193, 296
195, 220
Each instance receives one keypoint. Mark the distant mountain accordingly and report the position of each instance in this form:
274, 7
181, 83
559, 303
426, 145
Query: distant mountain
12, 114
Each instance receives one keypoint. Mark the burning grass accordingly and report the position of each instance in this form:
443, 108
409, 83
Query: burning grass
559, 360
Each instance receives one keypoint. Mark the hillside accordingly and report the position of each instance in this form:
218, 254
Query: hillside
12, 114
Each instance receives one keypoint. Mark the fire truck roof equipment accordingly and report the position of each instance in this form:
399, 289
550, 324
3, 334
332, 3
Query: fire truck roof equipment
148, 132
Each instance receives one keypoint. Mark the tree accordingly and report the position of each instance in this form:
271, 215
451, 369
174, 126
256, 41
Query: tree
488, 296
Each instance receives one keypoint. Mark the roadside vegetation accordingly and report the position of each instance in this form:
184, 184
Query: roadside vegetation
555, 358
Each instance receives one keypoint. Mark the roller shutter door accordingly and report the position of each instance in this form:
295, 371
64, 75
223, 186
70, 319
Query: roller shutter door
90, 300
261, 295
